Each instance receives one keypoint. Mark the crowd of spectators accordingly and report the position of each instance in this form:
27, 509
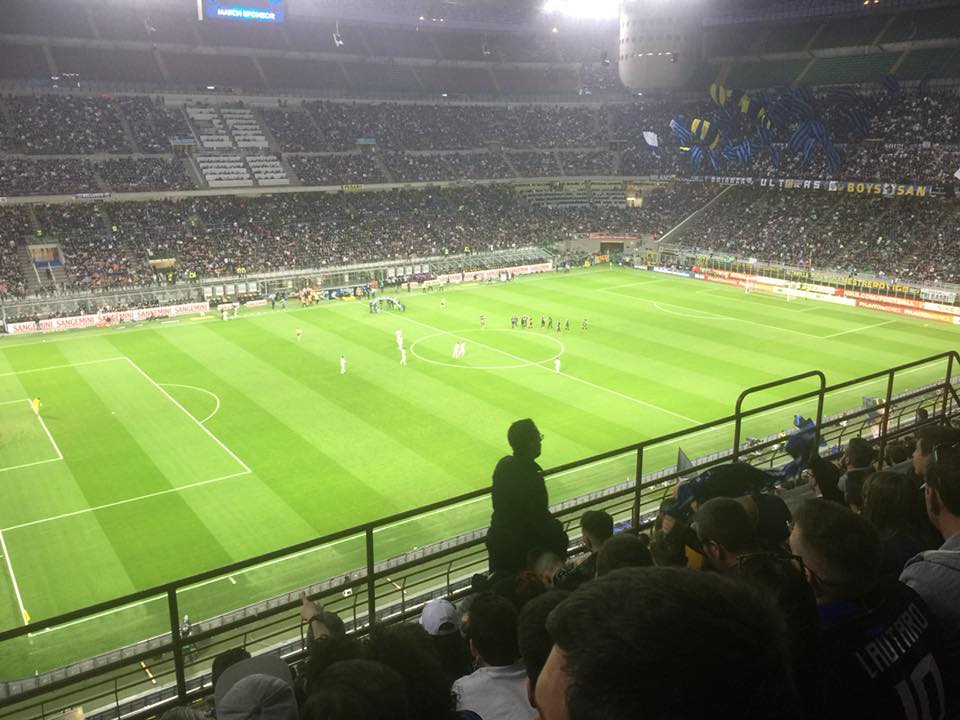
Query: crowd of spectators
142, 174
46, 177
907, 142
105, 244
900, 237
743, 600
337, 169
16, 228
414, 167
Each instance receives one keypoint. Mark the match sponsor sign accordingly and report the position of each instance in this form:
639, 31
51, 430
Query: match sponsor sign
105, 318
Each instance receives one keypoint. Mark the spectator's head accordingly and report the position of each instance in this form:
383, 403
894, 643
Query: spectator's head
260, 688
896, 452
492, 631
840, 550
439, 617
615, 651
943, 490
858, 453
725, 531
525, 439
326, 651
357, 690
520, 588
546, 565
224, 660
929, 438
623, 550
890, 500
826, 478
597, 528
408, 649
177, 713
534, 640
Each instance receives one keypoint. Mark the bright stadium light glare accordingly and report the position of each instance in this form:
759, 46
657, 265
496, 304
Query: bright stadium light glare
587, 9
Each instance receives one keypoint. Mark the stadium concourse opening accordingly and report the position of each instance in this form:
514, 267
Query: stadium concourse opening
277, 276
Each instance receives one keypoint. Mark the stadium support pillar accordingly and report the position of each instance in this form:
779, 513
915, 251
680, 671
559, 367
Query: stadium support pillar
371, 581
638, 489
886, 419
177, 645
948, 383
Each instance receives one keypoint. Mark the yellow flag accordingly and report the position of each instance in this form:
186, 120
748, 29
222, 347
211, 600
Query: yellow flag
36, 405
26, 617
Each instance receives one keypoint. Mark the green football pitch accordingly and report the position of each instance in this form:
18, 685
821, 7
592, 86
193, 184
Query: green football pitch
166, 449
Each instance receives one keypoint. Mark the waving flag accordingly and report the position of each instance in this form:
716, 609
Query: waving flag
651, 139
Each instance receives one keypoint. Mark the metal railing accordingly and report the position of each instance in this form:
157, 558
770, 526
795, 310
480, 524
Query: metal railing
172, 667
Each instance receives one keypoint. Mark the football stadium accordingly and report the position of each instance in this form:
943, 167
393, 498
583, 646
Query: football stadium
449, 359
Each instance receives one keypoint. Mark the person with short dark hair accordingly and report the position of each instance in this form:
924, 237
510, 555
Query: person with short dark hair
935, 574
358, 690
928, 438
521, 519
665, 643
858, 463
728, 539
497, 689
623, 550
407, 648
891, 505
532, 635
879, 638
596, 527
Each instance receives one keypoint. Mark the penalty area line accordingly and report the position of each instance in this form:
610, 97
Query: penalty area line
118, 503
13, 580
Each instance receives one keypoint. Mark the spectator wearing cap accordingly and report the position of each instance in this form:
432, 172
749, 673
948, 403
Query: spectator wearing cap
935, 574
521, 519
259, 688
441, 622
616, 651
497, 689
878, 636
858, 464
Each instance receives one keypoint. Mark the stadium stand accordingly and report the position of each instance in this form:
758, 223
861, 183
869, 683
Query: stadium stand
610, 628
897, 237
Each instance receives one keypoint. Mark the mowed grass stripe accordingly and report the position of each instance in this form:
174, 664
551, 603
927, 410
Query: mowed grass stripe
499, 395
248, 501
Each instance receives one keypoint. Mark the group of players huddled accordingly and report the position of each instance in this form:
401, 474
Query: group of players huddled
546, 322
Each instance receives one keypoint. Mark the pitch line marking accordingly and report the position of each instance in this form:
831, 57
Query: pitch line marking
13, 579
858, 329
228, 578
117, 503
550, 370
444, 363
200, 425
198, 389
47, 431
60, 367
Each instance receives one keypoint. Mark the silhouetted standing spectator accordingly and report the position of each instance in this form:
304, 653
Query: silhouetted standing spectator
521, 518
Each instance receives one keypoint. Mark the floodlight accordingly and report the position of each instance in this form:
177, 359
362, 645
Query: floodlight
586, 9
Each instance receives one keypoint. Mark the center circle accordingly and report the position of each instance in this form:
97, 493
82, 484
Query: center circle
467, 335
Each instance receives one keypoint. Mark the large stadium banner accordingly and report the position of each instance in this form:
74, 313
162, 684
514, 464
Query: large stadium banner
853, 187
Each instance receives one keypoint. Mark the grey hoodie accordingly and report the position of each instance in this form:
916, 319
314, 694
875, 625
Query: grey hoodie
935, 576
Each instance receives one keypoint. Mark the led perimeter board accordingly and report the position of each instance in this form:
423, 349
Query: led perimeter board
265, 11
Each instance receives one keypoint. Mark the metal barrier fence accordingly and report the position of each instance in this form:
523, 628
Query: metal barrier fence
167, 662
